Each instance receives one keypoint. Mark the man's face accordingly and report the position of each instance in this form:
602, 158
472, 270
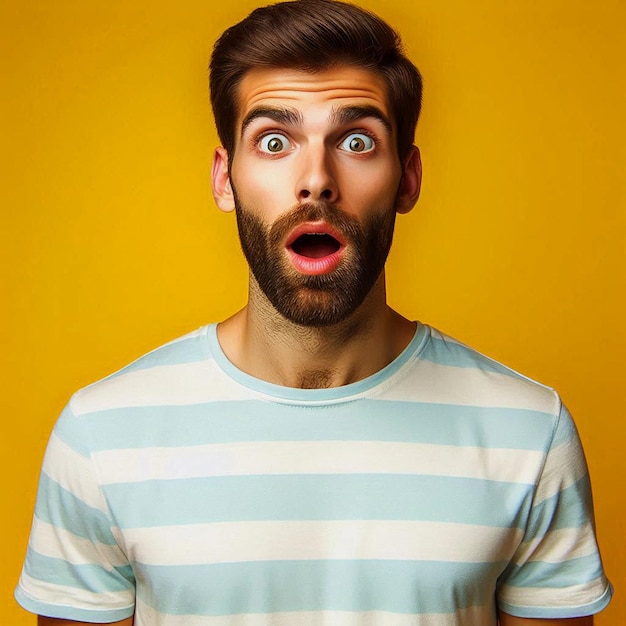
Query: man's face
315, 179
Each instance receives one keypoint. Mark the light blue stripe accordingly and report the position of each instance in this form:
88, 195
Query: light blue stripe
368, 585
319, 497
569, 508
568, 573
365, 420
88, 577
70, 429
566, 429
183, 351
445, 352
62, 611
57, 506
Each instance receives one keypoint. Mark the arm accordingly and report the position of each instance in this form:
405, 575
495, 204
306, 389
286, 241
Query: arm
53, 621
73, 533
509, 620
558, 557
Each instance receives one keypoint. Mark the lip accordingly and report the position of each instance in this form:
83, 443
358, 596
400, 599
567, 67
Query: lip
307, 228
307, 265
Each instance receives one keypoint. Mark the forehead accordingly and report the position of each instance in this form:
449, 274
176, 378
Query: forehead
299, 89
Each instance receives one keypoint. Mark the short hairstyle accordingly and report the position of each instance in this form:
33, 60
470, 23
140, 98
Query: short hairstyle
313, 35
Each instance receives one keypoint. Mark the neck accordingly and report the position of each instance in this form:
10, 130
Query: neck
263, 343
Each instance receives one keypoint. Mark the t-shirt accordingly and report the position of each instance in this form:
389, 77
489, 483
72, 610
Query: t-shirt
188, 493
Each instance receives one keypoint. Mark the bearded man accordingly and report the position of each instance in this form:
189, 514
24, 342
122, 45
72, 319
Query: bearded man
317, 458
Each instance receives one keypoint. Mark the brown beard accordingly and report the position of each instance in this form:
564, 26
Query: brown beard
324, 299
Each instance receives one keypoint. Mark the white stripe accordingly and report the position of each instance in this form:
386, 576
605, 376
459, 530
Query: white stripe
445, 384
204, 381
62, 544
559, 545
229, 542
179, 384
555, 597
57, 595
436, 334
483, 615
554, 478
317, 457
73, 472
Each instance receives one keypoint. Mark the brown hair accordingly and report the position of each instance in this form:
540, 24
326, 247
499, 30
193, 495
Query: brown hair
313, 35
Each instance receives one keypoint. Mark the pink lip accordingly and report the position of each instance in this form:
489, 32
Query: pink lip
313, 227
313, 267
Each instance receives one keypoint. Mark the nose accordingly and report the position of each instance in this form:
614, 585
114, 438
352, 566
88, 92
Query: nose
316, 180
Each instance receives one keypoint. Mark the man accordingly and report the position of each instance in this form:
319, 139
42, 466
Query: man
316, 458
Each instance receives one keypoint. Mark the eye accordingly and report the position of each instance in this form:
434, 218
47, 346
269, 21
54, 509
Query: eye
357, 142
274, 143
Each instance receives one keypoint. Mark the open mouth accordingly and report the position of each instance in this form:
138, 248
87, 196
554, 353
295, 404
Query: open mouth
315, 245
315, 248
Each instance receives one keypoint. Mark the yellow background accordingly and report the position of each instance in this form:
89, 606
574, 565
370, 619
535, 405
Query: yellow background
111, 243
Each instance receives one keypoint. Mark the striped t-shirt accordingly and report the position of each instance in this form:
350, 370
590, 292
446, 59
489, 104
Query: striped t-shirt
188, 493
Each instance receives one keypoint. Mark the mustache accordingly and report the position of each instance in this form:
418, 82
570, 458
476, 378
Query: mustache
348, 225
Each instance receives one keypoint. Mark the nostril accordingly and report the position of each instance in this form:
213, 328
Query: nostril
305, 193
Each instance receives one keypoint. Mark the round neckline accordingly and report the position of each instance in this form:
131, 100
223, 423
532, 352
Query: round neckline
295, 395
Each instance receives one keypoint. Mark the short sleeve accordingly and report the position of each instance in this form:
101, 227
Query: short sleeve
75, 567
556, 571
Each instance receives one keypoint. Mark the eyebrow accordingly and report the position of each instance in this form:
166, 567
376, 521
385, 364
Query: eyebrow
339, 115
352, 113
281, 115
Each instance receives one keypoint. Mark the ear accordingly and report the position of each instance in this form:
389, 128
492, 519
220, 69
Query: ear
411, 182
222, 189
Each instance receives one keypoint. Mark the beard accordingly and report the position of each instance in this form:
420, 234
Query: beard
323, 299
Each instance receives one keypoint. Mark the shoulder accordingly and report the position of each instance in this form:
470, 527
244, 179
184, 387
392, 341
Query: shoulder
150, 379
463, 374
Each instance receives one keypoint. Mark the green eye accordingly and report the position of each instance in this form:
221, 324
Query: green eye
274, 143
357, 142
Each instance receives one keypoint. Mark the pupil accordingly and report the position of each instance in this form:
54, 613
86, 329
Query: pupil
357, 144
275, 145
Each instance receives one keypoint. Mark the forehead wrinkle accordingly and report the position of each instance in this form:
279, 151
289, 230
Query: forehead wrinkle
281, 115
345, 114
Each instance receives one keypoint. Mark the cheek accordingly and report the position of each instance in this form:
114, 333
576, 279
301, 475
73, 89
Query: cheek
372, 186
263, 187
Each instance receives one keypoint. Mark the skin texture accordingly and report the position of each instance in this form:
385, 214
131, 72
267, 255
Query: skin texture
315, 167
323, 290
